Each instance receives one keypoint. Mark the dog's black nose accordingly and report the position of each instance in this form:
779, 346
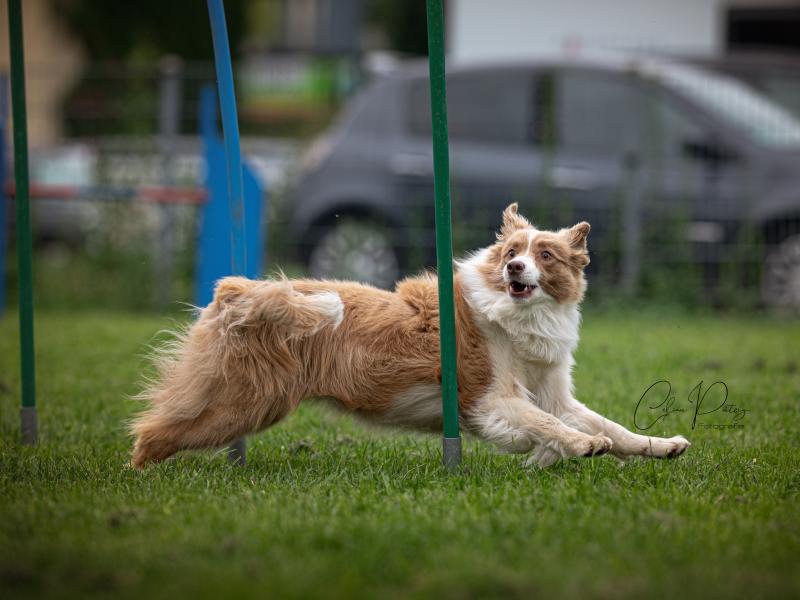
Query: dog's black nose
515, 266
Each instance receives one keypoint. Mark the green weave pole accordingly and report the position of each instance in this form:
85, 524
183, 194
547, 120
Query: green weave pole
22, 200
451, 448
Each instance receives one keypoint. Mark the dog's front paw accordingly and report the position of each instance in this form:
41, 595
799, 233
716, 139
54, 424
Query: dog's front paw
581, 445
590, 445
668, 447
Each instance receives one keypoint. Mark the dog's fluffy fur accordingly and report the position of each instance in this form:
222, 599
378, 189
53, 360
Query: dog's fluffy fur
261, 347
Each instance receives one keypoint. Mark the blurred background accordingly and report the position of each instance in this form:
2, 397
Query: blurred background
672, 127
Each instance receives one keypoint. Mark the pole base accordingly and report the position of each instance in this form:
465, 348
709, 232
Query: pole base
30, 425
237, 452
451, 453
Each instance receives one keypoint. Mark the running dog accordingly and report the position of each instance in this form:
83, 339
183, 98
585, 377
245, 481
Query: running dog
262, 347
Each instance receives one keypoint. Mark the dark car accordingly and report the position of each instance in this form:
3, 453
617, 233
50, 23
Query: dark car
669, 162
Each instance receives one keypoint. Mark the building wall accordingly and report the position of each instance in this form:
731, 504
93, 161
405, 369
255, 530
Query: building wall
53, 62
505, 28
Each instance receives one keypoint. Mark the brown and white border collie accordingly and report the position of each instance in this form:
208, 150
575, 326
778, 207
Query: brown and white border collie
261, 347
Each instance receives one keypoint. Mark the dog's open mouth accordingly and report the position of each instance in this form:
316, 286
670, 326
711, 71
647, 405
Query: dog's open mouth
517, 289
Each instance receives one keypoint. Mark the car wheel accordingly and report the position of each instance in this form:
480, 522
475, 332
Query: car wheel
358, 250
781, 279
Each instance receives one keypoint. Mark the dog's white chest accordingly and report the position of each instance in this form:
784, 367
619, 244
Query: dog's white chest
532, 347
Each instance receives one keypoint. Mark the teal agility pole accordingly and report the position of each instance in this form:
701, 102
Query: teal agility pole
233, 157
451, 443
22, 200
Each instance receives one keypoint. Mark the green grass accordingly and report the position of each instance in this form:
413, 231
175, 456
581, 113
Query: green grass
328, 508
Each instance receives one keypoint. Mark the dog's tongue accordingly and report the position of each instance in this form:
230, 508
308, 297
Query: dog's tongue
518, 286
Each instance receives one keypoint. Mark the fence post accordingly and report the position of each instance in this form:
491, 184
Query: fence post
451, 442
169, 118
233, 158
632, 226
22, 201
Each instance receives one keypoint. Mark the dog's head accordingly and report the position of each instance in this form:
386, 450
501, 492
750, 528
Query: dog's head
530, 265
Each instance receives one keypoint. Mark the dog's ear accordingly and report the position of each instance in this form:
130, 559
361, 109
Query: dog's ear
512, 221
577, 234
576, 238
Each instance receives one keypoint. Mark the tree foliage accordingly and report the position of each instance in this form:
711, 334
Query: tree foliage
127, 30
404, 23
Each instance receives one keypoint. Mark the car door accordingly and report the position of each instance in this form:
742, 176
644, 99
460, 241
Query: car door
492, 159
592, 142
636, 163
696, 183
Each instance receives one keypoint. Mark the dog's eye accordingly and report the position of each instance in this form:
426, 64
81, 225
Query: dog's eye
511, 253
545, 255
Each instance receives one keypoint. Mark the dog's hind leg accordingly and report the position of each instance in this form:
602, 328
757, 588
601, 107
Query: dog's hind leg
235, 371
159, 437
209, 394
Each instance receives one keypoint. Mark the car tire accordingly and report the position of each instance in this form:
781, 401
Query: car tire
780, 287
356, 249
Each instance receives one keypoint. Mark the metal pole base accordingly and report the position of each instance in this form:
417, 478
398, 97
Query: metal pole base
451, 453
237, 452
30, 425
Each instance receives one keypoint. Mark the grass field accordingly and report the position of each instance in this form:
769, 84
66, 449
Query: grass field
328, 508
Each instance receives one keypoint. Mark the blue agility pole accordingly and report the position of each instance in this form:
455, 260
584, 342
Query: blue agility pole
451, 443
24, 259
233, 158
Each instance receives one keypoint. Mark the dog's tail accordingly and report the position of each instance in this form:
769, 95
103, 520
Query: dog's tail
242, 303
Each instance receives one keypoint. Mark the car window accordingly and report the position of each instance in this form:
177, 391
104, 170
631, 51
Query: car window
785, 91
728, 99
597, 111
669, 127
482, 106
